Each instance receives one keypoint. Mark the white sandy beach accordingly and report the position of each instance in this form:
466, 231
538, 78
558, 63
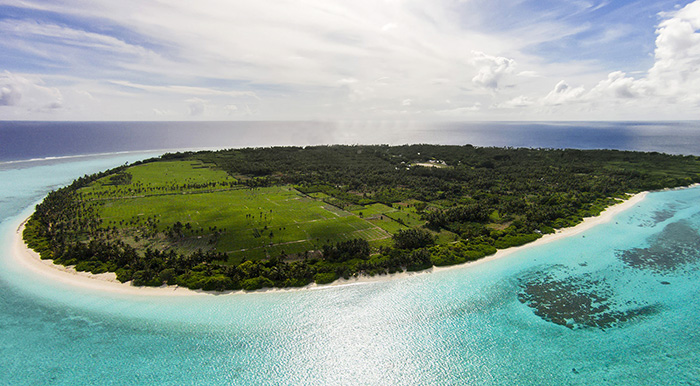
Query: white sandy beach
107, 282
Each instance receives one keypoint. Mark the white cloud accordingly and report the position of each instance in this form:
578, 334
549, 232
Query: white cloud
529, 74
28, 93
563, 94
347, 81
676, 70
389, 27
76, 50
294, 55
196, 106
673, 81
459, 111
618, 85
187, 90
517, 102
491, 69
9, 95
327, 59
29, 29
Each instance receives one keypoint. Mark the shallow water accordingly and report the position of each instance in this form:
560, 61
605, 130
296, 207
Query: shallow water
617, 304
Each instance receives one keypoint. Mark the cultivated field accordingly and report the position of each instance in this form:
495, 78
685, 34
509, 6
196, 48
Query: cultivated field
188, 206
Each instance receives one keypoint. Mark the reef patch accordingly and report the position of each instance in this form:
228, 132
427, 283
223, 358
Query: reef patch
578, 302
674, 249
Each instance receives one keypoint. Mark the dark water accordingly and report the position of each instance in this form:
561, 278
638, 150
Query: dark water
30, 140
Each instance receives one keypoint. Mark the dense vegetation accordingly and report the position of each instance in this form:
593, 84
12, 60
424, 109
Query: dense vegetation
263, 217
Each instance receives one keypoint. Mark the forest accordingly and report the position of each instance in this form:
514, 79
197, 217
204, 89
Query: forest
290, 216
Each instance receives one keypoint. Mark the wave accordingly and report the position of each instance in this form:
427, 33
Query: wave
95, 155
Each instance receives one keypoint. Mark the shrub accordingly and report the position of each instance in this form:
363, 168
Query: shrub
256, 283
325, 278
508, 241
124, 274
413, 238
217, 283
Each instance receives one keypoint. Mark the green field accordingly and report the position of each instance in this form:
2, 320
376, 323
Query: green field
406, 218
161, 178
372, 210
245, 223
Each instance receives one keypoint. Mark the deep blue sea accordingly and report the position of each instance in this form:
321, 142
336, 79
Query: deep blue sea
616, 305
30, 140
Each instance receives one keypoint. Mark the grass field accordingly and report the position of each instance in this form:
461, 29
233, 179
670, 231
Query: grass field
243, 222
373, 210
160, 178
406, 218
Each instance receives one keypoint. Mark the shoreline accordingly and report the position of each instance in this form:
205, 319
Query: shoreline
107, 282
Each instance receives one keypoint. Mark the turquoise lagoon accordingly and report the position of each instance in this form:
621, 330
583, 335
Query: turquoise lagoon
617, 304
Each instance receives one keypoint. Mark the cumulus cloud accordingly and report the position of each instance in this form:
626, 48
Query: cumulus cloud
563, 93
28, 93
619, 85
676, 70
9, 95
491, 69
673, 80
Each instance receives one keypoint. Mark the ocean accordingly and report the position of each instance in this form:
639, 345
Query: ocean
615, 305
32, 140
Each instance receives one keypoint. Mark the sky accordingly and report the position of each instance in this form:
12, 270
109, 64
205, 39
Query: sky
417, 60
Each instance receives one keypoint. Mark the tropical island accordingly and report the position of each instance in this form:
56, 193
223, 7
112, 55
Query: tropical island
290, 216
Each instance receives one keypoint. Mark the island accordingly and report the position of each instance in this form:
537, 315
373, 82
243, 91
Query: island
290, 216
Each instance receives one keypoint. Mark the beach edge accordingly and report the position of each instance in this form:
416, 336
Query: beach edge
107, 282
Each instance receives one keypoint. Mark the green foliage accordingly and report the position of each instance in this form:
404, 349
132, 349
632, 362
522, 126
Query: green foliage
168, 276
218, 282
325, 278
256, 283
346, 250
124, 274
95, 267
546, 230
120, 178
145, 278
508, 241
419, 259
255, 218
35, 239
413, 238
460, 252
460, 214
